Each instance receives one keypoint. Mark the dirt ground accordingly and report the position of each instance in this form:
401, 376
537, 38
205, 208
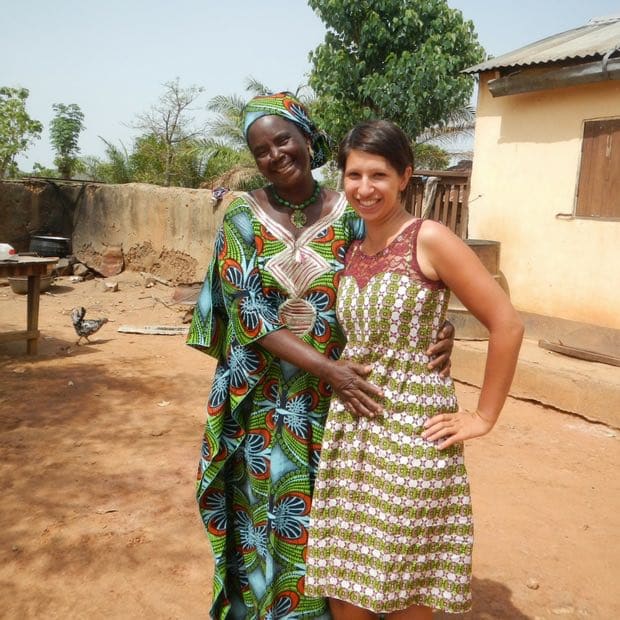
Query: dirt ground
99, 447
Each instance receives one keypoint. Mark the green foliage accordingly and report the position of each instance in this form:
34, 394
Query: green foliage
230, 163
115, 168
430, 157
222, 158
331, 176
146, 163
171, 150
150, 162
232, 168
227, 125
169, 138
17, 129
460, 123
43, 171
65, 130
394, 59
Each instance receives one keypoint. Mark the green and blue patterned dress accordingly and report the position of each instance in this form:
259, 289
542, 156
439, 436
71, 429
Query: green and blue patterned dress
265, 417
391, 522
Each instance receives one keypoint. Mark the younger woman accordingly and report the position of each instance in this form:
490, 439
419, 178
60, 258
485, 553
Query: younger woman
391, 529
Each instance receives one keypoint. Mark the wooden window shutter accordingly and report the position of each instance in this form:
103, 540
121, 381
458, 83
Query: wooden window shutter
598, 192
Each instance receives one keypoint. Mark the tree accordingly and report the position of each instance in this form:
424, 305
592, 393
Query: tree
231, 168
169, 126
394, 59
65, 130
17, 129
230, 163
39, 170
227, 126
429, 151
115, 168
149, 161
430, 157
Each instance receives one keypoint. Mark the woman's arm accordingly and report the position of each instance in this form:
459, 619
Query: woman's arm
348, 379
442, 255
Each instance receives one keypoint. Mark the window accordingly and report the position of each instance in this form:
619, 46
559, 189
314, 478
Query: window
598, 191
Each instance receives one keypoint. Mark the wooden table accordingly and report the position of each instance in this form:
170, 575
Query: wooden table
34, 268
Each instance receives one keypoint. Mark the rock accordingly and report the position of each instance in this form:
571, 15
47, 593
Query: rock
148, 279
83, 271
110, 287
566, 610
532, 584
64, 267
112, 261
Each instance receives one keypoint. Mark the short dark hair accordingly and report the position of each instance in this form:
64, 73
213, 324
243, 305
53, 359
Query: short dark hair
382, 138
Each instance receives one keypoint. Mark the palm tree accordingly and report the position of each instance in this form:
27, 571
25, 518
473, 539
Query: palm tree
460, 123
226, 146
430, 145
227, 126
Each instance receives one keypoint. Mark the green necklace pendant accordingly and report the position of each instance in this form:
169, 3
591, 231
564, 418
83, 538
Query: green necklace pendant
298, 217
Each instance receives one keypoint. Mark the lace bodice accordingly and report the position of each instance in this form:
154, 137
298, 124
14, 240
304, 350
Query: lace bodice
398, 257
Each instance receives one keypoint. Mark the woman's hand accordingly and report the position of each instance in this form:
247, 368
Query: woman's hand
440, 351
456, 427
348, 380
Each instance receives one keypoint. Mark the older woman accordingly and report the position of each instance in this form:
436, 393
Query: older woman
267, 313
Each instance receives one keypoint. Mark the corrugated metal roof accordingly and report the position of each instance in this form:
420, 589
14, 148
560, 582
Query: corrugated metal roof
598, 37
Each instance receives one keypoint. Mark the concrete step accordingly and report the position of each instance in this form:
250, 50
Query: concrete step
588, 389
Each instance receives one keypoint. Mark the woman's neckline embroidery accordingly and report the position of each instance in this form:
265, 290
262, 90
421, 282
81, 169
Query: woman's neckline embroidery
282, 233
399, 237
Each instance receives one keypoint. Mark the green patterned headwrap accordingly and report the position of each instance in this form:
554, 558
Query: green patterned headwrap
287, 106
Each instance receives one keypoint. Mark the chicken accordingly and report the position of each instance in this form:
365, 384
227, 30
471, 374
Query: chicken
85, 327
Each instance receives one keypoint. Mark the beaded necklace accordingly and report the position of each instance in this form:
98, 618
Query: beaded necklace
298, 217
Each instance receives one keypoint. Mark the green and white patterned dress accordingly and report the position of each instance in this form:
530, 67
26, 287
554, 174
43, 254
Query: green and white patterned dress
391, 519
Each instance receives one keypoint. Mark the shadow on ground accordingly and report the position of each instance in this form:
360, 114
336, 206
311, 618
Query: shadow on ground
491, 601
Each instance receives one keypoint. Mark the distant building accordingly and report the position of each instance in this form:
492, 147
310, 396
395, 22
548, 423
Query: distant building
546, 172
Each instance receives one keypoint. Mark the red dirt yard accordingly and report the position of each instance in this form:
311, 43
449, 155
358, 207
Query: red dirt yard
99, 450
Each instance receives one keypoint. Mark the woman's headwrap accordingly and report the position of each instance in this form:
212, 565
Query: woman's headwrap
287, 106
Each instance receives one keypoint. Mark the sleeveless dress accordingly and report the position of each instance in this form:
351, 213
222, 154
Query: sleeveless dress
391, 522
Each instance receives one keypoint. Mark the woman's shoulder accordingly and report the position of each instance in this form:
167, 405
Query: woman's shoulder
240, 205
431, 231
242, 201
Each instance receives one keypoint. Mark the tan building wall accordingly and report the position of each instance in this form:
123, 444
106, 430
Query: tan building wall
523, 186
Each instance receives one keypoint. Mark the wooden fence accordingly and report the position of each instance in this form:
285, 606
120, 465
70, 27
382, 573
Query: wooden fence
440, 195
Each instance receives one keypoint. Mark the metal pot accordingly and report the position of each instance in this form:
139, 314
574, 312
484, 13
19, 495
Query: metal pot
19, 284
50, 246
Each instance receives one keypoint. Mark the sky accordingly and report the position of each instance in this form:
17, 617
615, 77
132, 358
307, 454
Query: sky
112, 58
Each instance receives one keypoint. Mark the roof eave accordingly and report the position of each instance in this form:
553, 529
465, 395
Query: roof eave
585, 73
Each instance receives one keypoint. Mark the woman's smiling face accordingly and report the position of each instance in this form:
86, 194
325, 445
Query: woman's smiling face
373, 186
280, 150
